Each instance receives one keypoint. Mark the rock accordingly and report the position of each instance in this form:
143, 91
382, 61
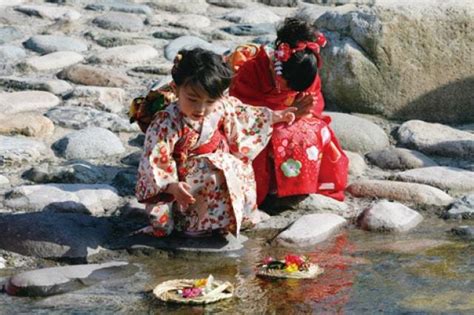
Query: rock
2, 263
76, 172
126, 54
311, 204
110, 40
124, 22
372, 65
52, 61
446, 178
385, 216
228, 3
45, 44
272, 226
121, 7
125, 182
9, 33
171, 33
18, 150
414, 246
363, 137
310, 12
90, 75
4, 180
89, 143
303, 231
57, 87
27, 124
105, 98
399, 158
437, 139
250, 29
190, 21
58, 280
9, 53
50, 12
95, 199
133, 159
400, 191
188, 42
162, 69
461, 208
144, 244
252, 15
183, 6
74, 117
18, 102
55, 235
464, 231
357, 165
280, 3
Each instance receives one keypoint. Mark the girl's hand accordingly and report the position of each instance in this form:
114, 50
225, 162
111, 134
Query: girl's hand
180, 192
287, 115
304, 102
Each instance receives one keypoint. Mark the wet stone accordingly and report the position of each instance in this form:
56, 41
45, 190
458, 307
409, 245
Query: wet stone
462, 208
464, 231
45, 44
250, 29
89, 143
9, 33
75, 117
119, 22
58, 280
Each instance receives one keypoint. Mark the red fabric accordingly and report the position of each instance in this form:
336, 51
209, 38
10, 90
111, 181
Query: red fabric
254, 84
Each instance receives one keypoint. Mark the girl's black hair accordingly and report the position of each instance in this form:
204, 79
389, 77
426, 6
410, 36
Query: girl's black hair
204, 69
302, 67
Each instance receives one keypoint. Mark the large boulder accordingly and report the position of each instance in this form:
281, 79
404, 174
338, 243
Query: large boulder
402, 59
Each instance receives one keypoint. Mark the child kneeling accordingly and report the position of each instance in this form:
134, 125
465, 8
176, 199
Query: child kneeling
196, 174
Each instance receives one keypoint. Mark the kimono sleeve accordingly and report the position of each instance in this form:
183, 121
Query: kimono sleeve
157, 168
248, 128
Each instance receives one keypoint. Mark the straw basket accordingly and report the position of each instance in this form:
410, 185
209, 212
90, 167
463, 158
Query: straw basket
312, 272
168, 292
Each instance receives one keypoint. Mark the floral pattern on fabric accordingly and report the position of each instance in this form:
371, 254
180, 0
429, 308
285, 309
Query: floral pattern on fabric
213, 158
291, 168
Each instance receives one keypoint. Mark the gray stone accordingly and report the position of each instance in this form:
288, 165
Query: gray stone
4, 180
54, 61
74, 117
105, 98
228, 3
119, 22
461, 208
464, 231
121, 7
400, 191
385, 216
170, 33
189, 21
311, 229
110, 40
280, 3
55, 235
89, 143
17, 102
188, 42
9, 33
357, 164
250, 29
28, 124
125, 182
312, 203
57, 87
76, 172
58, 280
19, 150
372, 65
252, 15
163, 69
9, 53
95, 199
437, 139
140, 244
126, 54
271, 227
363, 136
133, 159
54, 13
447, 178
182, 6
399, 158
45, 44
90, 75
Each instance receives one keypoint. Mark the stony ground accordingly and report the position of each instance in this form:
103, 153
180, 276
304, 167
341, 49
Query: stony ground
68, 155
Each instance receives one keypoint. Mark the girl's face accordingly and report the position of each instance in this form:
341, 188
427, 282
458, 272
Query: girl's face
194, 103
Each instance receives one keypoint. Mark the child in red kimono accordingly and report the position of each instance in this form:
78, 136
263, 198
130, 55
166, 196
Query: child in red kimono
305, 157
195, 174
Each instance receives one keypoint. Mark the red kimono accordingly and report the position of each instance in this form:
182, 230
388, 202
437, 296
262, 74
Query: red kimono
303, 158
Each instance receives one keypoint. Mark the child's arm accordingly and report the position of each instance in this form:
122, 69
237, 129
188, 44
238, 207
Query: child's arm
287, 115
180, 192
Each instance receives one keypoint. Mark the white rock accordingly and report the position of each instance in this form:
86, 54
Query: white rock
16, 102
56, 60
389, 216
127, 54
106, 98
4, 180
311, 229
50, 12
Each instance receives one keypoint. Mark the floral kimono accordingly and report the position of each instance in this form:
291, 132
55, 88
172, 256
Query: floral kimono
303, 158
214, 157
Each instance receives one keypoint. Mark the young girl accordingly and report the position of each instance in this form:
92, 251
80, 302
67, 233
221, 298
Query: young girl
195, 175
306, 157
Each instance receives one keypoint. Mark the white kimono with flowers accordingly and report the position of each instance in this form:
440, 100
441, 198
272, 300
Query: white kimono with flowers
214, 157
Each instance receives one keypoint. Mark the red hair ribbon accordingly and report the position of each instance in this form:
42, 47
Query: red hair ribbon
284, 51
